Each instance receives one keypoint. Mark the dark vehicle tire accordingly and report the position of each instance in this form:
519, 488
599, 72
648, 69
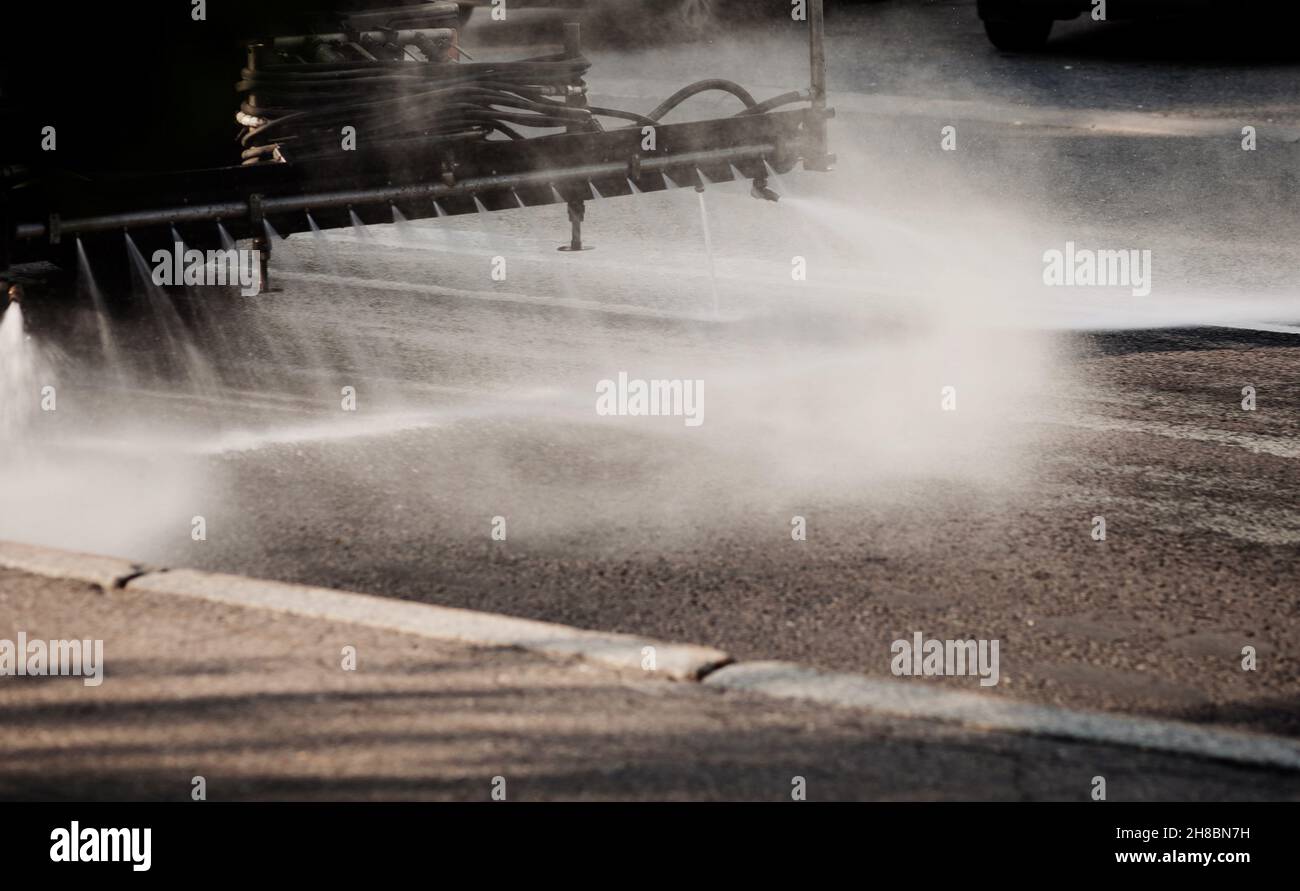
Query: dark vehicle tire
1019, 36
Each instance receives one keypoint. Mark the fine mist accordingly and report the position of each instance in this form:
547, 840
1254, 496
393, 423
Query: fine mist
881, 332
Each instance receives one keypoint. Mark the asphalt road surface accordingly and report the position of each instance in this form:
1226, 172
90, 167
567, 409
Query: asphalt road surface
475, 396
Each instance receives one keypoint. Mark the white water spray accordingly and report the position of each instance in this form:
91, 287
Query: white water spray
20, 376
708, 249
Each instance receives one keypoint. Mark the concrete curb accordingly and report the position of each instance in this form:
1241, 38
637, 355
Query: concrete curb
924, 701
683, 662
623, 651
106, 572
675, 661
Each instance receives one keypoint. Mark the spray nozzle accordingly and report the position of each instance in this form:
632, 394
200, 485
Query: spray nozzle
762, 192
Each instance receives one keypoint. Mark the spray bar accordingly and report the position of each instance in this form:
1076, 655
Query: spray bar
385, 195
430, 176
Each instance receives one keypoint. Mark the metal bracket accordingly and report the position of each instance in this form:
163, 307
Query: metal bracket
256, 212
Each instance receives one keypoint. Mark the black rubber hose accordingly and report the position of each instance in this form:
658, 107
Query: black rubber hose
775, 102
396, 103
703, 86
641, 119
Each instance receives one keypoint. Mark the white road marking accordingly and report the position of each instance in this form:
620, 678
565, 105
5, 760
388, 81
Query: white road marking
1264, 326
1278, 446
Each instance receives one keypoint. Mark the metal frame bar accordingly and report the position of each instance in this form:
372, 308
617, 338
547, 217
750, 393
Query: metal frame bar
429, 191
776, 137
